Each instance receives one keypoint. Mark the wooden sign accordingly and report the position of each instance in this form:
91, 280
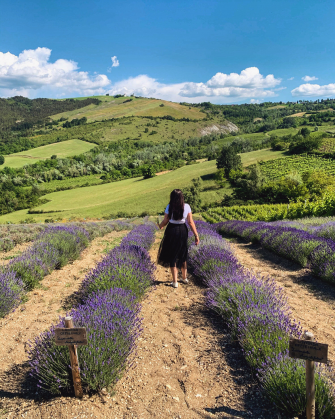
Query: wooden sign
70, 336
312, 352
308, 350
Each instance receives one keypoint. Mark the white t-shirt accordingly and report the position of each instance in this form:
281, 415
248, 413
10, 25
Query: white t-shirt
187, 210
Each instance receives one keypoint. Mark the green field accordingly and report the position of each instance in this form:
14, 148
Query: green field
260, 155
132, 195
116, 108
61, 150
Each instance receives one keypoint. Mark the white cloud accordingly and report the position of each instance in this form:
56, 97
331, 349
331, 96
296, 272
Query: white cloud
33, 74
291, 78
249, 83
309, 78
115, 61
309, 89
221, 87
255, 101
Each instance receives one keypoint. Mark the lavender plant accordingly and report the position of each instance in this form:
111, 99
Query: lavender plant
314, 248
284, 382
127, 266
257, 313
110, 313
53, 248
112, 323
11, 292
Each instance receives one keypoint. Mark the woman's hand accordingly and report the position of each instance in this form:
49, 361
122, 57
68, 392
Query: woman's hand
196, 240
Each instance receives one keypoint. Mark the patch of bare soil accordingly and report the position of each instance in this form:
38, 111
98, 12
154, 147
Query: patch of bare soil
186, 366
163, 173
312, 300
5, 257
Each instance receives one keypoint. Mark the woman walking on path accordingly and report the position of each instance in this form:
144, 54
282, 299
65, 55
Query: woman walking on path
173, 249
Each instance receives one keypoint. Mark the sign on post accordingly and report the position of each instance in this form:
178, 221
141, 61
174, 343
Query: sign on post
72, 337
68, 337
308, 350
311, 352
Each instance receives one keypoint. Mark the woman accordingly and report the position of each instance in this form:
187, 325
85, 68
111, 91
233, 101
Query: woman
173, 248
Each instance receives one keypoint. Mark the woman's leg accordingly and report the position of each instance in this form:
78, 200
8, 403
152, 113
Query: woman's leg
184, 270
174, 272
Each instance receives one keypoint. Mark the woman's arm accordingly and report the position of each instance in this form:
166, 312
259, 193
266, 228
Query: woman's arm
164, 222
193, 228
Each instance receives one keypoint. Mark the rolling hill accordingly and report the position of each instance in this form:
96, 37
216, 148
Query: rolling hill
111, 107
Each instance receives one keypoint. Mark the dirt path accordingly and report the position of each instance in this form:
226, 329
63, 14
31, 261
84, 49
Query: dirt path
312, 300
186, 367
6, 257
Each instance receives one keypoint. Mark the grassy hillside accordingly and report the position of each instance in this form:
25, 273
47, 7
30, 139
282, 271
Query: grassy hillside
132, 195
61, 150
131, 106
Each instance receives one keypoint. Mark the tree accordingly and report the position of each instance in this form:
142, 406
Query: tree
228, 160
220, 178
250, 187
53, 157
305, 132
149, 172
2, 159
303, 145
192, 195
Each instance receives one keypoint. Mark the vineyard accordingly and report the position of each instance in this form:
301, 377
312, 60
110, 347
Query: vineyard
328, 145
324, 207
275, 169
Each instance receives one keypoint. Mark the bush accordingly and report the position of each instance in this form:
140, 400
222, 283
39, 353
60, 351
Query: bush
112, 323
126, 267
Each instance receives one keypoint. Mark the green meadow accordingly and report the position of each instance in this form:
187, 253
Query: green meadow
61, 150
132, 195
131, 106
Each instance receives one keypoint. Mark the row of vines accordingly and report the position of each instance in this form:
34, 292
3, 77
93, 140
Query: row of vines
322, 207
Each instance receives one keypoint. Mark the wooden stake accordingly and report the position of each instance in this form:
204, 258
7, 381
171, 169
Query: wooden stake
310, 382
78, 390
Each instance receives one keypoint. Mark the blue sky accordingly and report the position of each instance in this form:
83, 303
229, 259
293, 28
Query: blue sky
193, 51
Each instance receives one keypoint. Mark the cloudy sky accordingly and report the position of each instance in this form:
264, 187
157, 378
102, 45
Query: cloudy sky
193, 51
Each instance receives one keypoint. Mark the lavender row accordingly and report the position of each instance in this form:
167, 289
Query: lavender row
53, 248
14, 234
313, 249
257, 313
110, 311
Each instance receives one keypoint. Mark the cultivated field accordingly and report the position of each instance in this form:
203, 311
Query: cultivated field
61, 150
132, 196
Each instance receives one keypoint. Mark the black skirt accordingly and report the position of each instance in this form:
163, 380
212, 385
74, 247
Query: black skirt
173, 248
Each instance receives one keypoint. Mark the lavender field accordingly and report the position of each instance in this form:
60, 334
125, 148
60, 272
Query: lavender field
109, 304
256, 310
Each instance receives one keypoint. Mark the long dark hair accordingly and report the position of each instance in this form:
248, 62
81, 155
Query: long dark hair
176, 207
